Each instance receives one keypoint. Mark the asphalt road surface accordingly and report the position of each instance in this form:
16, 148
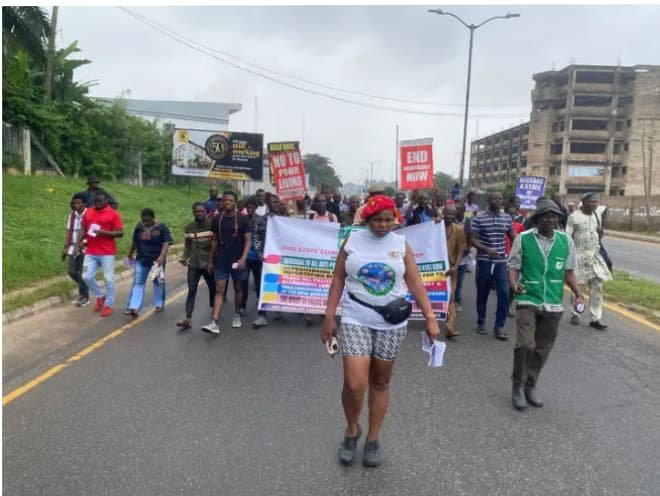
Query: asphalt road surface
156, 411
634, 256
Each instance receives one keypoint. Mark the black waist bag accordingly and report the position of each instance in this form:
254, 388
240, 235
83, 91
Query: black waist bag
395, 312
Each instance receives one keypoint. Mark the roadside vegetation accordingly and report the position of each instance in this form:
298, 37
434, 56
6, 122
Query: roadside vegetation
635, 292
35, 211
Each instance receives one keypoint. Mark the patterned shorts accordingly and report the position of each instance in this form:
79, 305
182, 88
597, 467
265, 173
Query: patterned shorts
357, 340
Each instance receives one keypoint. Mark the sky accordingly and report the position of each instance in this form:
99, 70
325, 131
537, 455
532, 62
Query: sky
389, 51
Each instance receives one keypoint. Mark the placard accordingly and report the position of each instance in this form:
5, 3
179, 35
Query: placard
288, 170
416, 164
529, 189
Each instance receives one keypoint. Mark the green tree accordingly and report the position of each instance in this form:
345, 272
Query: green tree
320, 171
84, 135
26, 29
443, 183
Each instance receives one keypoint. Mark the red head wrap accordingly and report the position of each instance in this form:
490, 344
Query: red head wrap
378, 203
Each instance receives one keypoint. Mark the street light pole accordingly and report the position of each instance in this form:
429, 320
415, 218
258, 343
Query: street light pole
371, 169
472, 28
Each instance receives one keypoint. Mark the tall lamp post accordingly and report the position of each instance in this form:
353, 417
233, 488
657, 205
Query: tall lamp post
472, 28
371, 170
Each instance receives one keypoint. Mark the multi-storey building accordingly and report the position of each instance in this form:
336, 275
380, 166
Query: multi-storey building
500, 157
590, 129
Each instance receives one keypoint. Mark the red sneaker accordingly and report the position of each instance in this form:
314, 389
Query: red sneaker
107, 311
99, 304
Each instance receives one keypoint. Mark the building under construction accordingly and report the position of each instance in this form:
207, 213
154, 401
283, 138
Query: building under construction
592, 128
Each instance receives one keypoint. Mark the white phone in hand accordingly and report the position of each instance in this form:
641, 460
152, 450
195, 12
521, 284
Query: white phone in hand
332, 346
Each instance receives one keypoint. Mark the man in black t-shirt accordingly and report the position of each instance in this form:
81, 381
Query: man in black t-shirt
229, 249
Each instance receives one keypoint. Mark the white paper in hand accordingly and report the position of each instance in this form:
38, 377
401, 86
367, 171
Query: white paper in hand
93, 230
435, 349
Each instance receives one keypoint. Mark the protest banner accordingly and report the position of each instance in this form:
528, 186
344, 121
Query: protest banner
288, 170
299, 260
222, 155
416, 163
529, 189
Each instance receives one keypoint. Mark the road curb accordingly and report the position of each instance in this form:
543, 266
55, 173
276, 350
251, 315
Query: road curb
632, 236
56, 300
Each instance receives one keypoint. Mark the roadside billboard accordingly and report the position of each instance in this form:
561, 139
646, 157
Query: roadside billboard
222, 155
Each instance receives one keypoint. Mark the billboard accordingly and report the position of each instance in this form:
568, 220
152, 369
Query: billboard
416, 163
222, 155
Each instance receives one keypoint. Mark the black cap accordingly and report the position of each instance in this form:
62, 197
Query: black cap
92, 179
545, 205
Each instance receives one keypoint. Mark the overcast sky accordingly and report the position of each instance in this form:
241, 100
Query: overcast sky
398, 52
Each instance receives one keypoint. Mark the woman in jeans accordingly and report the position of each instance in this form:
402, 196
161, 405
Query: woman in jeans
375, 265
151, 240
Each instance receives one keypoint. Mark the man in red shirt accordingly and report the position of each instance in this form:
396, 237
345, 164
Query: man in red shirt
100, 226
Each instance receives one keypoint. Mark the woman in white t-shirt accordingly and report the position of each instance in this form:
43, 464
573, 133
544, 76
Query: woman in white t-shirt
377, 267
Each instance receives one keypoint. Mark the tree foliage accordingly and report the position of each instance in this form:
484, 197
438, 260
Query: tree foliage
84, 135
443, 182
320, 171
25, 29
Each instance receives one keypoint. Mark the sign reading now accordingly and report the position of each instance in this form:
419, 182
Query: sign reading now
416, 164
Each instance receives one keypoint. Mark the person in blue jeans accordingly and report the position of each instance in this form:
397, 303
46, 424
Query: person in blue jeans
253, 263
488, 230
151, 240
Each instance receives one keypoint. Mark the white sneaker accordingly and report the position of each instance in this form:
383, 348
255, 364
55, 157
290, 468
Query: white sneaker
236, 321
260, 322
212, 328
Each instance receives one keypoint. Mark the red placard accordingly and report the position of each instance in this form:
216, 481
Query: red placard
288, 170
416, 164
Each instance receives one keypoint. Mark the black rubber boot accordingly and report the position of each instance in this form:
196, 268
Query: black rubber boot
532, 398
518, 398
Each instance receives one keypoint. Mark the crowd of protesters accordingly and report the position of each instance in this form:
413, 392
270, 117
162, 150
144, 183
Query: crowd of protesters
525, 257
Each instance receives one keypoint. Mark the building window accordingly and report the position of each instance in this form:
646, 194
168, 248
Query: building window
592, 101
615, 171
625, 147
594, 77
586, 171
523, 163
589, 125
558, 126
556, 148
628, 123
624, 170
619, 125
579, 147
624, 100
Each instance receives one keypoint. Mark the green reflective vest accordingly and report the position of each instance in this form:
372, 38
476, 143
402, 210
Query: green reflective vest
543, 277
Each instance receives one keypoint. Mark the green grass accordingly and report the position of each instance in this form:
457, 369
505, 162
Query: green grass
635, 291
60, 288
35, 211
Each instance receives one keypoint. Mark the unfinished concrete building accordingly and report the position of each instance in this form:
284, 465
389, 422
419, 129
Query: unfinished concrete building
592, 128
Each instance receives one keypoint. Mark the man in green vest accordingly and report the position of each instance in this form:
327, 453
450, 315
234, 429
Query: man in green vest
541, 260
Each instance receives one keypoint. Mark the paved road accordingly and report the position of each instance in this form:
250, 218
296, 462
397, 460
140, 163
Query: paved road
253, 412
635, 256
